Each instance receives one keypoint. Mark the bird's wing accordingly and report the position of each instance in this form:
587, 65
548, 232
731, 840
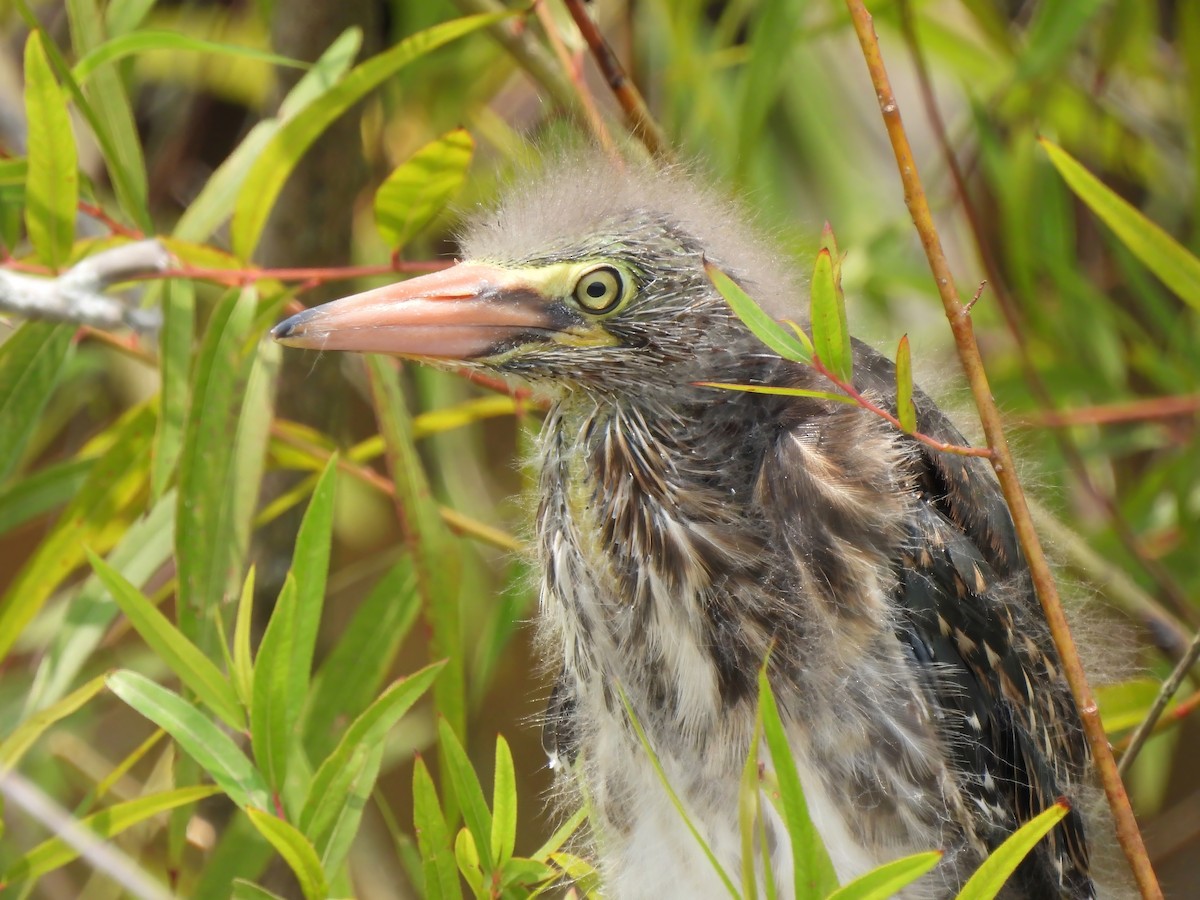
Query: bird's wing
972, 626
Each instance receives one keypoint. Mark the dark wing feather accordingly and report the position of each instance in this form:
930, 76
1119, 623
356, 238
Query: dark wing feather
973, 626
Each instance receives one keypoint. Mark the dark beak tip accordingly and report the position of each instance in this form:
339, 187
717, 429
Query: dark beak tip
289, 326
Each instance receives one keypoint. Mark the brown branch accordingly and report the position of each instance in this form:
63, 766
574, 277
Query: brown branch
641, 123
319, 275
1002, 462
1114, 413
1168, 586
587, 101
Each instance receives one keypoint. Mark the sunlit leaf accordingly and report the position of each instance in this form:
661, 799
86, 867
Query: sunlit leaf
15, 745
761, 325
52, 183
421, 187
433, 838
906, 412
831, 333
504, 804
889, 879
296, 851
136, 42
990, 877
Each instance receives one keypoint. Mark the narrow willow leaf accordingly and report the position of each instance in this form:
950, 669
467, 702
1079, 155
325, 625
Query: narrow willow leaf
344, 827
281, 154
889, 879
243, 663
181, 656
780, 391
466, 854
831, 333
273, 711
433, 838
468, 791
431, 543
906, 412
202, 740
526, 873
990, 877
108, 823
175, 354
648, 748
328, 787
419, 188
52, 183
296, 851
814, 875
310, 568
15, 745
32, 360
1162, 254
45, 490
205, 540
350, 677
749, 815
93, 519
127, 45
216, 199
143, 549
504, 804
761, 325
560, 837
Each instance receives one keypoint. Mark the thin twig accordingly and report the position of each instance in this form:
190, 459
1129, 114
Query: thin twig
587, 101
1176, 598
1165, 693
1144, 410
1002, 462
641, 123
321, 275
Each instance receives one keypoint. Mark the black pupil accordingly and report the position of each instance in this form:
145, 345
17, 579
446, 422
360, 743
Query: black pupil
597, 289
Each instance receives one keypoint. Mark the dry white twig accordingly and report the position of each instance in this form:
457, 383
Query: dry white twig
77, 294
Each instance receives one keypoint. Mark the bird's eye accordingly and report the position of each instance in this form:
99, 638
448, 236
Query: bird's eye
600, 290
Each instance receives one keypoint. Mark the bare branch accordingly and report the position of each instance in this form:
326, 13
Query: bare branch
77, 294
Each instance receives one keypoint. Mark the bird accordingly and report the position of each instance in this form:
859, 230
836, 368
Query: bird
686, 536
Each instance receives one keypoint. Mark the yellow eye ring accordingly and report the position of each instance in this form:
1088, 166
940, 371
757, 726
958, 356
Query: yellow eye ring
600, 290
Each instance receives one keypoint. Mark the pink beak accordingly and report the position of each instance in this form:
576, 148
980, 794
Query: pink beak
463, 312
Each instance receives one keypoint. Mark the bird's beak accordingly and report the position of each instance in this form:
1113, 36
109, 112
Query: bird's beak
467, 311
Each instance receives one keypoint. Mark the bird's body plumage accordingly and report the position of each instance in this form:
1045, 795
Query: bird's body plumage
686, 534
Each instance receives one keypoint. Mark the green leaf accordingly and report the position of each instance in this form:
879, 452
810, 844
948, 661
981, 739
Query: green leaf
211, 747
421, 187
468, 791
108, 823
351, 674
206, 537
248, 890
906, 411
813, 871
296, 851
504, 804
433, 838
343, 828
748, 816
36, 494
93, 519
175, 354
143, 549
277, 160
127, 45
1162, 254
990, 877
1123, 705
242, 668
32, 360
889, 879
328, 788
275, 709
310, 568
18, 742
181, 656
466, 854
831, 333
674, 797
52, 183
216, 199
780, 391
762, 326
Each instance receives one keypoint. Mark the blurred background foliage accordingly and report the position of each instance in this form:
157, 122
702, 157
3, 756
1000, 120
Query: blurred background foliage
187, 460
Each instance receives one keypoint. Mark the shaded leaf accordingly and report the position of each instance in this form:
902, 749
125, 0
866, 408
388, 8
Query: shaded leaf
32, 359
15, 745
469, 793
274, 709
433, 838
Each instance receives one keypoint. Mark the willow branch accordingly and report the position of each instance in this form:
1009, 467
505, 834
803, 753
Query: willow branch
1002, 462
1166, 692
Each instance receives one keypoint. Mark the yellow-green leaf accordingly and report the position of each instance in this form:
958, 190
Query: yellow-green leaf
889, 879
831, 333
761, 325
421, 187
990, 877
906, 412
52, 182
296, 851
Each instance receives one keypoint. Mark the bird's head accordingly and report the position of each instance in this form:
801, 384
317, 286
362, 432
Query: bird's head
586, 275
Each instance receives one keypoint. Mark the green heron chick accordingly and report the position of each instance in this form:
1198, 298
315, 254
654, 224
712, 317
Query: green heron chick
685, 534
